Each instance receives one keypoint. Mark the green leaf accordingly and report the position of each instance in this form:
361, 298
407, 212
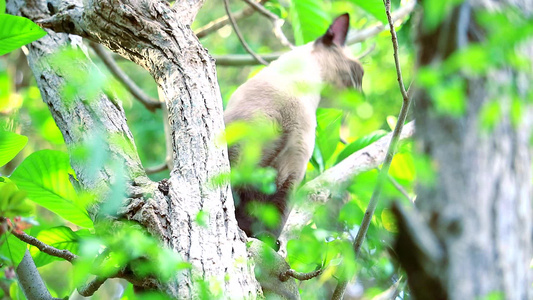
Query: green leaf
10, 145
359, 144
12, 201
16, 32
328, 131
62, 238
44, 175
351, 214
373, 7
309, 20
2, 6
388, 220
436, 11
12, 248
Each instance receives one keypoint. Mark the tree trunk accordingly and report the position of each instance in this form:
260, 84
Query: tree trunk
152, 36
475, 239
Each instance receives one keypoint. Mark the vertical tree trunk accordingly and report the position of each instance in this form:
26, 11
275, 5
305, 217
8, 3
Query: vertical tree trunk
479, 207
151, 34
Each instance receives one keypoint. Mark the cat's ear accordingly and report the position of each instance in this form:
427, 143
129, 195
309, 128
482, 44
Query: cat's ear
337, 31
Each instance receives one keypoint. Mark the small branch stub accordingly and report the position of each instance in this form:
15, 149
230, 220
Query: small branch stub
284, 276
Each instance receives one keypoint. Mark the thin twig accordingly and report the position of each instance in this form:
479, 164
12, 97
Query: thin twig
276, 21
223, 21
367, 51
149, 102
237, 60
400, 188
69, 256
321, 189
354, 37
383, 174
362, 35
28, 239
298, 275
239, 35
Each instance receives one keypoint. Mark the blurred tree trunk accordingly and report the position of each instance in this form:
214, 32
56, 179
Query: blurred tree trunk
474, 239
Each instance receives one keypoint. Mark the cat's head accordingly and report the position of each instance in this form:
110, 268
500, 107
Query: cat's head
338, 67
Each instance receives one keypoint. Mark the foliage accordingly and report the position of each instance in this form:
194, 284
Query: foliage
37, 182
16, 31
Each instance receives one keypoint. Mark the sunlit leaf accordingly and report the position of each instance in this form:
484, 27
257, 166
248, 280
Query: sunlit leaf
44, 175
328, 131
12, 248
62, 238
402, 167
359, 144
13, 201
2, 6
373, 7
309, 20
16, 32
10, 145
351, 214
388, 220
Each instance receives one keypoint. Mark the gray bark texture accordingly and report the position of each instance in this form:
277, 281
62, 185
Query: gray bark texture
472, 237
151, 34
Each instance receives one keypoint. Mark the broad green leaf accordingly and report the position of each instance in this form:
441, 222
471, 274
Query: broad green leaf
309, 20
62, 238
316, 160
12, 201
402, 167
328, 131
351, 214
16, 32
12, 248
2, 6
373, 7
44, 175
10, 145
359, 144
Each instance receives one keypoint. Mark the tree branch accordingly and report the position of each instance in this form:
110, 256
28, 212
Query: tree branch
298, 275
354, 37
223, 21
30, 280
150, 103
276, 21
240, 37
362, 35
28, 239
319, 190
90, 288
383, 174
237, 60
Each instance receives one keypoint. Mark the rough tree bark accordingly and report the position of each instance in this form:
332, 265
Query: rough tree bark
151, 34
473, 235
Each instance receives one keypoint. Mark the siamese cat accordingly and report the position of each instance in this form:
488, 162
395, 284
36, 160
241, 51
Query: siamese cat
287, 94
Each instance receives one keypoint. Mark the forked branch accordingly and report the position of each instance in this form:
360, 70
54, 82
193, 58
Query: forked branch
258, 58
